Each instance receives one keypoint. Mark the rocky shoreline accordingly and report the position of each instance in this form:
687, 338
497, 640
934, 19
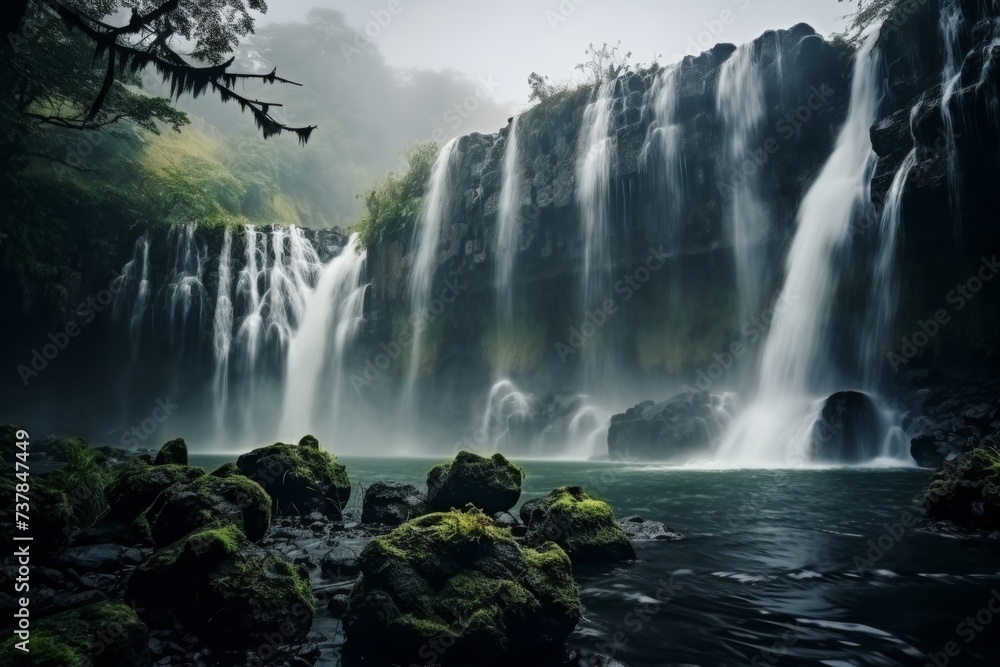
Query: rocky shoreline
162, 563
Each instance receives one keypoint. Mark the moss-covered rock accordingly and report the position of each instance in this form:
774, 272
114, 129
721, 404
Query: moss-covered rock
51, 515
585, 527
209, 501
227, 470
138, 484
491, 484
174, 452
966, 489
104, 634
300, 479
226, 591
392, 503
64, 449
458, 580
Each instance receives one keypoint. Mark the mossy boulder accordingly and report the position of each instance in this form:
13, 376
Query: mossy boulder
227, 470
491, 484
300, 479
104, 634
66, 449
225, 590
209, 501
966, 489
392, 503
458, 580
585, 527
51, 515
174, 452
138, 484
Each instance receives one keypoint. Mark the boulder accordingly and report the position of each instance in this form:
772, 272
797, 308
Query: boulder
66, 449
677, 429
392, 503
585, 527
103, 634
174, 452
966, 490
459, 576
138, 484
637, 528
300, 479
849, 429
98, 557
209, 501
50, 516
227, 470
491, 484
223, 589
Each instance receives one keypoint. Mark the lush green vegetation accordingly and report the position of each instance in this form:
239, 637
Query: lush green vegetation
392, 204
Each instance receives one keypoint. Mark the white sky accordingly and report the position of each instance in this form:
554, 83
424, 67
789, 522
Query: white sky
508, 40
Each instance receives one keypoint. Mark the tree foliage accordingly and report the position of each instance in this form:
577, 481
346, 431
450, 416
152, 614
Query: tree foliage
870, 13
149, 40
605, 63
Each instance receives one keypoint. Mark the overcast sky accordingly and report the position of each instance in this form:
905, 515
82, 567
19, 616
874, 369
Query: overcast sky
506, 41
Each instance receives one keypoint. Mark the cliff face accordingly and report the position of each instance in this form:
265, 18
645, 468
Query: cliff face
683, 168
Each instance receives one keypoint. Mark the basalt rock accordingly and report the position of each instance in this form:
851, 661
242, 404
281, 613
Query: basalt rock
392, 503
458, 575
677, 429
491, 484
585, 527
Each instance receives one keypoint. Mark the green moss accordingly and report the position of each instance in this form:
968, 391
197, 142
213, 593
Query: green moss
209, 501
516, 347
227, 470
459, 574
84, 480
136, 485
101, 634
392, 204
299, 479
492, 484
585, 527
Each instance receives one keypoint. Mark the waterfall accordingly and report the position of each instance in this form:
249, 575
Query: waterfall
662, 149
185, 290
427, 236
595, 152
135, 272
739, 100
222, 331
885, 281
950, 26
508, 213
662, 156
331, 315
503, 402
795, 369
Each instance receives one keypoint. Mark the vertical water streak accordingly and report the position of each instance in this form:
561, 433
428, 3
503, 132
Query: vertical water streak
508, 212
249, 331
595, 153
427, 236
950, 26
739, 100
885, 279
331, 314
795, 366
222, 332
185, 291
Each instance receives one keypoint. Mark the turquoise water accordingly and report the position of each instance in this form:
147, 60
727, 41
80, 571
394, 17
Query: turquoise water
833, 567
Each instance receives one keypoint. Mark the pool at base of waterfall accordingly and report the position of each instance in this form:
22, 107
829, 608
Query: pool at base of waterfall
835, 566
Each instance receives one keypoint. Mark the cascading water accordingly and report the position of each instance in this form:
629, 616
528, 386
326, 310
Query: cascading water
332, 313
950, 26
222, 331
507, 222
427, 236
795, 371
663, 158
740, 102
504, 401
885, 281
595, 153
184, 291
